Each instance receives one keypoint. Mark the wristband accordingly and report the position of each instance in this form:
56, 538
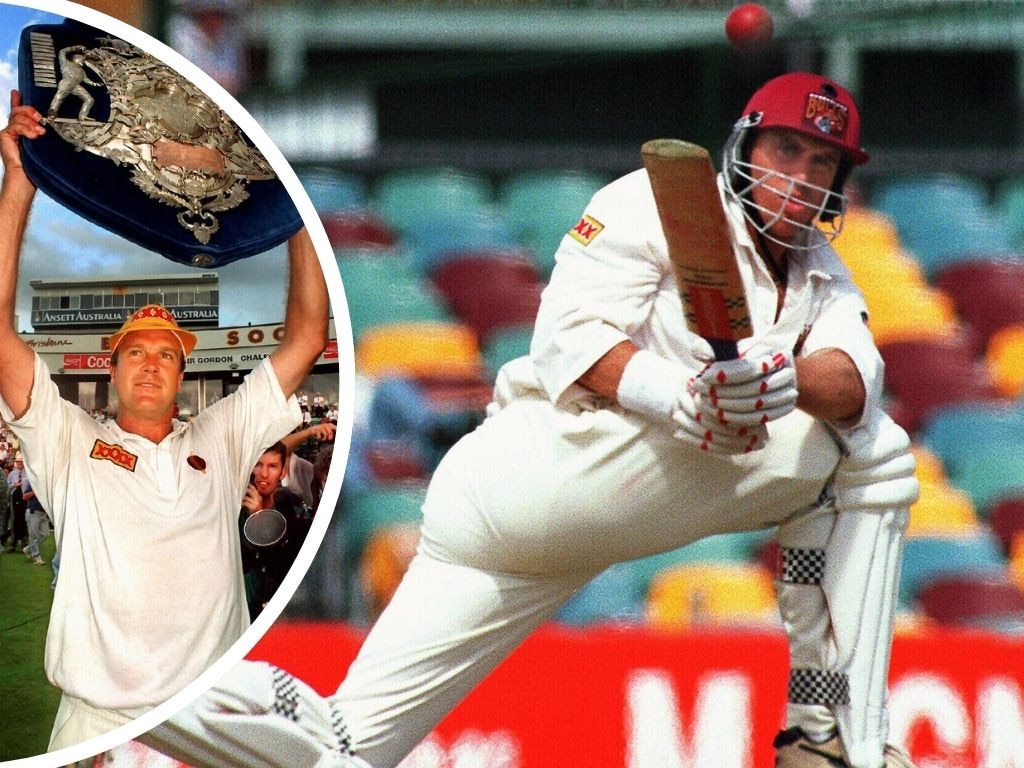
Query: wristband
650, 385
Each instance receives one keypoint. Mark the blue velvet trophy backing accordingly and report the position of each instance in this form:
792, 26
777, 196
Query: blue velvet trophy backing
102, 191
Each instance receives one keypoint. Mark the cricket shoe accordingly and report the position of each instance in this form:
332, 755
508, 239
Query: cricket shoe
793, 749
258, 716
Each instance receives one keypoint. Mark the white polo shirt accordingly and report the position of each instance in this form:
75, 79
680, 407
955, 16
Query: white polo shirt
150, 592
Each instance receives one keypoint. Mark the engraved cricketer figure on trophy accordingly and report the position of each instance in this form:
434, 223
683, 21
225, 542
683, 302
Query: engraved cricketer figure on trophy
73, 80
182, 149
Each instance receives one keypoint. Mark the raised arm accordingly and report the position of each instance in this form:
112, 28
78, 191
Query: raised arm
306, 315
16, 195
322, 432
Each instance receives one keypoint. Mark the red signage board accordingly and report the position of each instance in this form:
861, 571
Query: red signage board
640, 698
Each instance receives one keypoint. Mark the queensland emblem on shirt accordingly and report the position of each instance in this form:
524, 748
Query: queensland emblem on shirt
586, 229
114, 453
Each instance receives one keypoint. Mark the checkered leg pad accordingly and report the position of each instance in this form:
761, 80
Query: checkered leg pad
258, 716
818, 686
801, 566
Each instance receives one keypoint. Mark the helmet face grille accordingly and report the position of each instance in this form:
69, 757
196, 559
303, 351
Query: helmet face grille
742, 177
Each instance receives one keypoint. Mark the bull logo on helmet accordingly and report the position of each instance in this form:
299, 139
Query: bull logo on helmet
826, 115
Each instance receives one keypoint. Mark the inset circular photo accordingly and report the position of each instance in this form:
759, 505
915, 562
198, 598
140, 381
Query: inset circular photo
176, 388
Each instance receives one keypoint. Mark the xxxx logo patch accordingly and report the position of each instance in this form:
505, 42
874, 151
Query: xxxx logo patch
115, 453
586, 229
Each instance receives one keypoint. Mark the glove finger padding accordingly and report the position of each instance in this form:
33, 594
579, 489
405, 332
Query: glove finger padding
698, 429
743, 401
777, 380
752, 366
741, 411
258, 716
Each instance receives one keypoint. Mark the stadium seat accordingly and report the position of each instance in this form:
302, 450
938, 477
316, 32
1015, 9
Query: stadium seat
973, 600
356, 230
942, 217
955, 430
1006, 519
989, 473
384, 561
928, 557
375, 509
391, 461
695, 594
357, 477
1016, 565
490, 290
447, 235
901, 303
437, 350
427, 415
928, 466
485, 268
1004, 357
610, 597
524, 192
409, 198
1010, 201
986, 292
504, 344
367, 270
866, 232
543, 205
942, 510
332, 191
383, 287
925, 375
902, 312
722, 548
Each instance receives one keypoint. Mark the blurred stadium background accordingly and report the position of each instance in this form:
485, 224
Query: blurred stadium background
449, 145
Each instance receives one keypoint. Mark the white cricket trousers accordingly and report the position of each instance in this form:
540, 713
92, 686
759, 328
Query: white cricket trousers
77, 722
524, 511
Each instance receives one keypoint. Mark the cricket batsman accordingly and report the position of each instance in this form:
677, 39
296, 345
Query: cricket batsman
619, 436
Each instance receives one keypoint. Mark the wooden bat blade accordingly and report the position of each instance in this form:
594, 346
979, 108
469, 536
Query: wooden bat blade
699, 242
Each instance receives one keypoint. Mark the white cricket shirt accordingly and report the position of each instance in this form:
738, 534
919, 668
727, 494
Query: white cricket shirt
614, 281
150, 591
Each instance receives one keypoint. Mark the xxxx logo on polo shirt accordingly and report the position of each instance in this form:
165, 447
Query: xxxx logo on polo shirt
115, 453
586, 229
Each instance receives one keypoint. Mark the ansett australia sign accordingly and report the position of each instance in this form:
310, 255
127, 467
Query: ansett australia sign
45, 317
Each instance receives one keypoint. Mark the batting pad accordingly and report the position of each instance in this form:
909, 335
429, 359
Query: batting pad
258, 716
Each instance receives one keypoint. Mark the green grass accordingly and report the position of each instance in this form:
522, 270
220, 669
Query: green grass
30, 702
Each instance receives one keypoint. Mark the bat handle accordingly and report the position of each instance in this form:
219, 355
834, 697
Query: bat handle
724, 349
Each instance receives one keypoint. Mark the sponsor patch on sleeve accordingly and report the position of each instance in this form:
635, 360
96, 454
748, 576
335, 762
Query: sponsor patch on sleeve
586, 229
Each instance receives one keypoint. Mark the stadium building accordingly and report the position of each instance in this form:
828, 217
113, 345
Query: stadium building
72, 321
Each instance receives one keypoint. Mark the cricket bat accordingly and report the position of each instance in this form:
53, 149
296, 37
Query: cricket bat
699, 243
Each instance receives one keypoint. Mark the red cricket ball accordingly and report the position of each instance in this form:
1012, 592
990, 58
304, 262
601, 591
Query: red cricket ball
749, 26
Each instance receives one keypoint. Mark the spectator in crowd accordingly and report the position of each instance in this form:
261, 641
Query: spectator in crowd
37, 524
301, 471
19, 526
274, 523
6, 511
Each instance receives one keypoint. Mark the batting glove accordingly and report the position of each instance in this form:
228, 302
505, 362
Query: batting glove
695, 427
751, 390
258, 716
659, 389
